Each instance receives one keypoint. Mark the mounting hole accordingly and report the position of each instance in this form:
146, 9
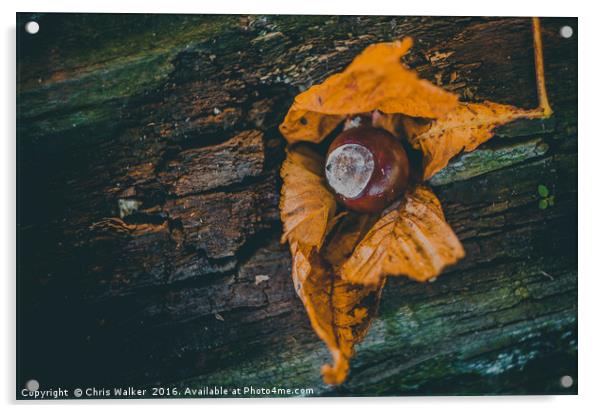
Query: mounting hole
32, 385
32, 27
566, 381
566, 31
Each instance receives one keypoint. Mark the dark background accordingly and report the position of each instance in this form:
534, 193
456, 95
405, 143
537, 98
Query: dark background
178, 116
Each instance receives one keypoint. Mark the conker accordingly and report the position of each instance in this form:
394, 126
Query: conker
367, 168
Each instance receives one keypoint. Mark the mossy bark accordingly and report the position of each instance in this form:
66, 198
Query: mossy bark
148, 234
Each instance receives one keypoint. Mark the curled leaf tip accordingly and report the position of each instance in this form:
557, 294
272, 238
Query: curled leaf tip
336, 373
339, 312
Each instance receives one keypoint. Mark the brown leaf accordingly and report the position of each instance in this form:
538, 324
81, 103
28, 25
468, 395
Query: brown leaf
413, 240
345, 237
339, 277
307, 207
302, 125
462, 129
375, 80
340, 312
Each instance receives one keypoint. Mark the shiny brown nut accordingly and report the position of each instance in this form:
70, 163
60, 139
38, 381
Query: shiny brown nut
367, 168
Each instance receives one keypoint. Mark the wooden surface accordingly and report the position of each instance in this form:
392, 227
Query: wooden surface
148, 234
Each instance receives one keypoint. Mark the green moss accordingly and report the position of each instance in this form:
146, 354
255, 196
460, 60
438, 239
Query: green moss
100, 69
522, 292
86, 122
80, 45
481, 161
128, 78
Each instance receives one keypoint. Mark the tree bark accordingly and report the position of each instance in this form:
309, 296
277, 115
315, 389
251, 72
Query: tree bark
148, 227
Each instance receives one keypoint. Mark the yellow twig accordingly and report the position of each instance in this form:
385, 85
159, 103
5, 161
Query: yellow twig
544, 104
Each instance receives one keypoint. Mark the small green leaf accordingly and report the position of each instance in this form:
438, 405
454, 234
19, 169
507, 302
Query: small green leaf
543, 204
543, 191
551, 200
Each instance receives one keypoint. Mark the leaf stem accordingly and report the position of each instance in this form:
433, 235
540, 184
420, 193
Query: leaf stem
544, 104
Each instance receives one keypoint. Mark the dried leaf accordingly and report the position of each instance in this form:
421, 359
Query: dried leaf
462, 129
302, 125
340, 312
345, 237
413, 240
307, 207
375, 80
340, 276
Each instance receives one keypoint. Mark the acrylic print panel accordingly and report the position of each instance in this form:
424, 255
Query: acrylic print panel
182, 231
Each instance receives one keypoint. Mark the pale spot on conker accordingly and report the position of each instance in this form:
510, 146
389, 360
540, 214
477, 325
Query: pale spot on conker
349, 169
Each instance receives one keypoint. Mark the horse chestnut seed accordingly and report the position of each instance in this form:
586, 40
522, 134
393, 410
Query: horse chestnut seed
367, 168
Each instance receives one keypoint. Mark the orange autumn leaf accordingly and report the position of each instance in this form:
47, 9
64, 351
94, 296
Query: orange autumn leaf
463, 129
345, 237
413, 240
304, 126
307, 207
340, 312
375, 80
471, 124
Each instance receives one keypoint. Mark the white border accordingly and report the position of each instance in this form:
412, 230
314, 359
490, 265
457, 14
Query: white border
590, 132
